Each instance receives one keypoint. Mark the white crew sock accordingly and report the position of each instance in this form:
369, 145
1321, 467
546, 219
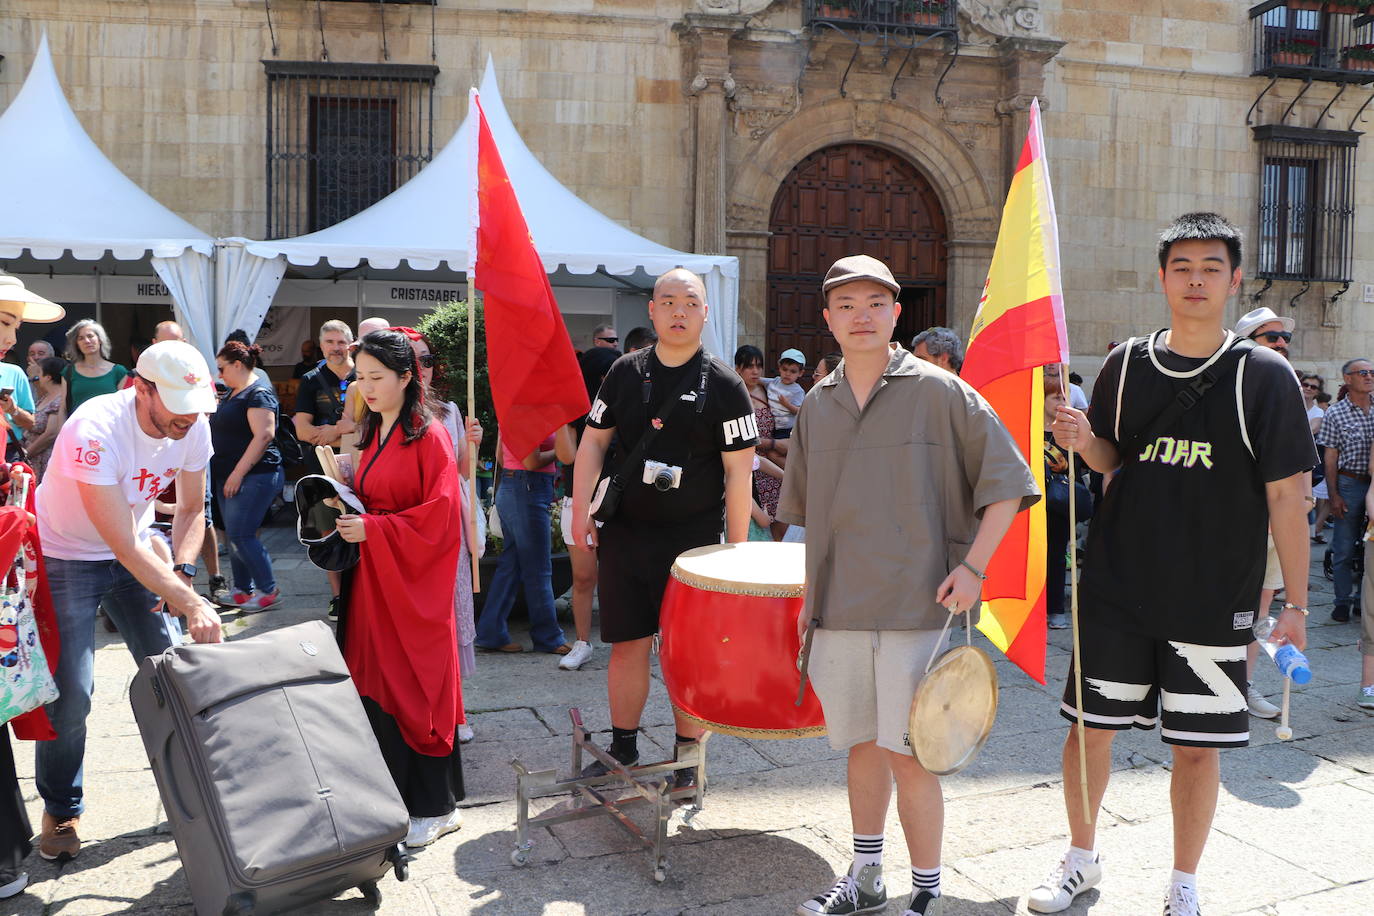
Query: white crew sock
1182, 877
925, 879
1082, 856
868, 850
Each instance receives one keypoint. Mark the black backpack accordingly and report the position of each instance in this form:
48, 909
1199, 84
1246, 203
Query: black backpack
288, 446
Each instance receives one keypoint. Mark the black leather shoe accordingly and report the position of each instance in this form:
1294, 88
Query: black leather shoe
1341, 614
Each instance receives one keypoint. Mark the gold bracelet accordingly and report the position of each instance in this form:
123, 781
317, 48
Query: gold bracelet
1290, 606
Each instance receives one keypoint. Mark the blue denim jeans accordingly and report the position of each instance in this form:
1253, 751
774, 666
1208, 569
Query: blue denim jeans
523, 501
243, 514
1346, 538
78, 587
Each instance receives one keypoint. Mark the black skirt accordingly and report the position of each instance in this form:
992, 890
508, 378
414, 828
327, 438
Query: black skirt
429, 786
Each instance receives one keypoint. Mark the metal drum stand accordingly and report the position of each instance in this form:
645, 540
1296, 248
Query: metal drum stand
601, 796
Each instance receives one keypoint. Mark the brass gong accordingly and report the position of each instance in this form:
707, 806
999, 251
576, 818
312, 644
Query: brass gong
953, 710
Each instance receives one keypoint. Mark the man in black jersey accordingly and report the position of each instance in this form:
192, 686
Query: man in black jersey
1175, 554
702, 454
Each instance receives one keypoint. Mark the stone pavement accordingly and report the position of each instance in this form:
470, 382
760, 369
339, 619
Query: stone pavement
1294, 831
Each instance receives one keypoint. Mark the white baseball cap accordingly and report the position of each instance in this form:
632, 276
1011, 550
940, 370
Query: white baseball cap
24, 303
793, 354
181, 375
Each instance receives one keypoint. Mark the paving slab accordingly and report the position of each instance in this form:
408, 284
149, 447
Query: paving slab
1337, 812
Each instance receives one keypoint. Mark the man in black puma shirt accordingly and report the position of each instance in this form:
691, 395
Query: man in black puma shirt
706, 429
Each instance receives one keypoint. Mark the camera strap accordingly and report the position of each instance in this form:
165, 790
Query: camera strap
666, 409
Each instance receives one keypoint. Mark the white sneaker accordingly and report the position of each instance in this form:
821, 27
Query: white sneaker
1259, 706
579, 655
1070, 878
425, 830
464, 734
1182, 901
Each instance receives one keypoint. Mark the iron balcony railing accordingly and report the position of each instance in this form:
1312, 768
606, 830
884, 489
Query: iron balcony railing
913, 15
1313, 39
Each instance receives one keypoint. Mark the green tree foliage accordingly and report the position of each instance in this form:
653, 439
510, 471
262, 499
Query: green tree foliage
447, 330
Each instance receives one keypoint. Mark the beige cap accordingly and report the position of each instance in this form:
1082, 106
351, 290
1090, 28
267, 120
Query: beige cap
859, 267
181, 375
24, 303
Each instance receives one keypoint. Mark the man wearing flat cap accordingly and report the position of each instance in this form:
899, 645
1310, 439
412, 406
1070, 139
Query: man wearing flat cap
113, 457
906, 481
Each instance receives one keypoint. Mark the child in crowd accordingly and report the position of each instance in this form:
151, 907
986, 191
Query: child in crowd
784, 394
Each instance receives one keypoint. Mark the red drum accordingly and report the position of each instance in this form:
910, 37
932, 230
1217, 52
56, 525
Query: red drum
728, 640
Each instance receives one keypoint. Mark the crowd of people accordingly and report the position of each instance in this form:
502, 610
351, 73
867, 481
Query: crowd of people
709, 451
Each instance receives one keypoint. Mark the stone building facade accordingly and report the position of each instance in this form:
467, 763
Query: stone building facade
745, 127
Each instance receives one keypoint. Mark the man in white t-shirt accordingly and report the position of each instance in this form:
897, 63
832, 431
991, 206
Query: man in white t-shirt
95, 505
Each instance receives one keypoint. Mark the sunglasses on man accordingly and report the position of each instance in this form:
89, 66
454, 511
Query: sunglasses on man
1273, 336
609, 339
1362, 373
1312, 385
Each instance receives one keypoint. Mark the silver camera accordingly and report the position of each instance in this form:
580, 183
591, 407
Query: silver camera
662, 477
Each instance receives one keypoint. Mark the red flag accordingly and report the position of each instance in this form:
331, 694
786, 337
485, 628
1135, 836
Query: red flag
535, 379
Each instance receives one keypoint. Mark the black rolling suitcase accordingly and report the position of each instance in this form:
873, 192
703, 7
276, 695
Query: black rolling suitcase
274, 787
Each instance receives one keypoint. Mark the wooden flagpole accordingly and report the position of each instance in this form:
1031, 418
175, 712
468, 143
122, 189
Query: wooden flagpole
1073, 606
474, 303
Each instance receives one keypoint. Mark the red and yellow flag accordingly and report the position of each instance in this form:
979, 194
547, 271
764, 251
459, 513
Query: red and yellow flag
1019, 329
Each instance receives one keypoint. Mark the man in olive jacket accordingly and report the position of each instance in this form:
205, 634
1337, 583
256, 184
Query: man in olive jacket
893, 464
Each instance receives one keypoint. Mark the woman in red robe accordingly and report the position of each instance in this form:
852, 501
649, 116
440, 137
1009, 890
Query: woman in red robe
399, 636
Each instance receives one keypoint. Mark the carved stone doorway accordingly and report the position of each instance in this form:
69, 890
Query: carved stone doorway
852, 198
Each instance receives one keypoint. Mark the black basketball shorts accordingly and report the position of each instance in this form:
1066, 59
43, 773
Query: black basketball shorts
633, 565
1195, 693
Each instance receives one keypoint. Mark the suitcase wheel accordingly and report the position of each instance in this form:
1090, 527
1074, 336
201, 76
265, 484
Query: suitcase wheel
400, 861
240, 904
371, 893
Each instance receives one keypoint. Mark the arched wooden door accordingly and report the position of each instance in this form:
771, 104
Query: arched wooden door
852, 199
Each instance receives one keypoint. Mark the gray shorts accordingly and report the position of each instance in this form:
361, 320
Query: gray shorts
865, 680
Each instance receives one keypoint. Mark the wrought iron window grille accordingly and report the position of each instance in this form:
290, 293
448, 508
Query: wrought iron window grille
892, 25
1306, 203
340, 137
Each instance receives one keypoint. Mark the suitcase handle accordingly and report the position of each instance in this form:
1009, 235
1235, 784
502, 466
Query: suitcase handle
170, 780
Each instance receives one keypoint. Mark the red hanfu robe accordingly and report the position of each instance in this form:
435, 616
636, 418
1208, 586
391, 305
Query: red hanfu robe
400, 638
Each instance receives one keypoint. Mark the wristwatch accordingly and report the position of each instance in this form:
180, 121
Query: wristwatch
186, 569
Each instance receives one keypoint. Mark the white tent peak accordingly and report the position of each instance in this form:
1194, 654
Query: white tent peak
62, 194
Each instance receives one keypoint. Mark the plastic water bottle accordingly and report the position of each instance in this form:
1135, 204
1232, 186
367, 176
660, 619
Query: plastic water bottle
1291, 663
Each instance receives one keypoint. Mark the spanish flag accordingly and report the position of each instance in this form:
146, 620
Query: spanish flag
1019, 329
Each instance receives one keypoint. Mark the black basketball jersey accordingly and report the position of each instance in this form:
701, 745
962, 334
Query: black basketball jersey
1177, 548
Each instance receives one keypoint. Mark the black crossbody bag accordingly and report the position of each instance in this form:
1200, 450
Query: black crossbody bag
611, 488
1186, 399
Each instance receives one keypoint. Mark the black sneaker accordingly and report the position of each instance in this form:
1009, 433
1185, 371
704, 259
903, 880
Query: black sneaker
924, 903
597, 768
333, 614
864, 894
1341, 613
12, 883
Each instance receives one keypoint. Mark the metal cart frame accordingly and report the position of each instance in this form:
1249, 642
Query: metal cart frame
595, 796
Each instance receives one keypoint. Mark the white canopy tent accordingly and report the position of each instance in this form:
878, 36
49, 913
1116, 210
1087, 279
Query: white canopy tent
424, 224
62, 195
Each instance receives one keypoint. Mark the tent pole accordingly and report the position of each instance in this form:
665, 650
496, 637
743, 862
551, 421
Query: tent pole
474, 304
